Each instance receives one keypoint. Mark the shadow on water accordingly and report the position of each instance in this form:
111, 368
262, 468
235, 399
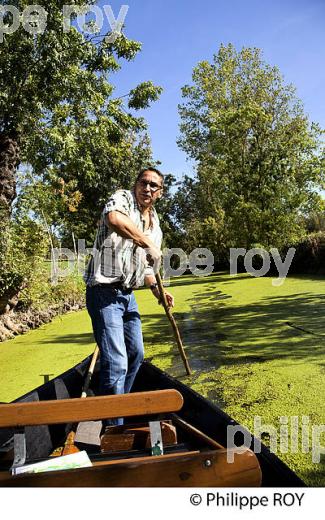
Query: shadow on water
84, 338
185, 280
217, 334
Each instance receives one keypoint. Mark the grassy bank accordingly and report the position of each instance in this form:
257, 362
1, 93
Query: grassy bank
255, 349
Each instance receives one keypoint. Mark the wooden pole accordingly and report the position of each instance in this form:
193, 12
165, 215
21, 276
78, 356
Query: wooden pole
173, 322
69, 446
90, 372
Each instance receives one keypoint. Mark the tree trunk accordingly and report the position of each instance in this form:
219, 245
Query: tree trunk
9, 161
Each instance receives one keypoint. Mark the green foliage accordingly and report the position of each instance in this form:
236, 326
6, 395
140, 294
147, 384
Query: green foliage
141, 96
258, 159
315, 221
79, 142
56, 95
165, 209
68, 289
73, 203
114, 167
10, 281
57, 78
26, 247
28, 270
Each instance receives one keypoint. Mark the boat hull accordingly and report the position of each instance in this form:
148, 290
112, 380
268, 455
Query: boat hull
197, 411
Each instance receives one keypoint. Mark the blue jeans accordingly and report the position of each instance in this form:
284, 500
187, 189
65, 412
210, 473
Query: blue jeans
117, 330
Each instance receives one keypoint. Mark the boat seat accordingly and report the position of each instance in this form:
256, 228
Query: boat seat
188, 467
93, 408
135, 436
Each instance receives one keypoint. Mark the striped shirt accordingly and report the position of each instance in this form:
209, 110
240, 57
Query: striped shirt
118, 259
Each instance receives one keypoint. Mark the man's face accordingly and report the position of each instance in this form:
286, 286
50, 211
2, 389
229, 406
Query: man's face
148, 188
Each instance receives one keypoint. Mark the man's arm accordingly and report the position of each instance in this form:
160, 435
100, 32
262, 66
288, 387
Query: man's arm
123, 225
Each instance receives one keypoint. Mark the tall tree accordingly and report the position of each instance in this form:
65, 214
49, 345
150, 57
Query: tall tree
258, 159
57, 112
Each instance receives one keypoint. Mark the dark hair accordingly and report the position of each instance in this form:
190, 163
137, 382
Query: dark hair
149, 170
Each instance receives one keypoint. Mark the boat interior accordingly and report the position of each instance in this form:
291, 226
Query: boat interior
154, 446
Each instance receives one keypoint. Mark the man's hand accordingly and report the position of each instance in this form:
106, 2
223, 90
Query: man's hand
169, 297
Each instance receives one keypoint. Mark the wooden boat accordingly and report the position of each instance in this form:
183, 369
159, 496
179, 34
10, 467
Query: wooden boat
194, 454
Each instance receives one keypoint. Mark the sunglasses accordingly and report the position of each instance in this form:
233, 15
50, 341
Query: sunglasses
153, 185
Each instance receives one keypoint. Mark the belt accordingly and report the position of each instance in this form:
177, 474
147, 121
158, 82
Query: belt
114, 285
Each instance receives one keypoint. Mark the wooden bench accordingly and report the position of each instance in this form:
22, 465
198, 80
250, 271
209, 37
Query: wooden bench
189, 468
90, 409
40, 413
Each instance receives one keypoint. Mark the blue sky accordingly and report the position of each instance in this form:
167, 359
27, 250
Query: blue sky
176, 35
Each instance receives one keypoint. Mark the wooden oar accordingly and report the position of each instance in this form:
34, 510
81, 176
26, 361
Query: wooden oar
69, 446
173, 322
90, 372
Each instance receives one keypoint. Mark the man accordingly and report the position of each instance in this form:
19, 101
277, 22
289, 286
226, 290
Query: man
128, 234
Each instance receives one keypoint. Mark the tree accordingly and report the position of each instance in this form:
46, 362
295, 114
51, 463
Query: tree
258, 159
72, 202
57, 113
315, 221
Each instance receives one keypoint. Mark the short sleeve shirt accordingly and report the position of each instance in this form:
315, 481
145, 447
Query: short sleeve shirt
118, 259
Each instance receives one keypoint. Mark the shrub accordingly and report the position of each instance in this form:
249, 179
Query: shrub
310, 255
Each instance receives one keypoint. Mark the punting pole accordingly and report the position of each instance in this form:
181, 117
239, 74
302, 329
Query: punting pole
173, 322
90, 372
69, 446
